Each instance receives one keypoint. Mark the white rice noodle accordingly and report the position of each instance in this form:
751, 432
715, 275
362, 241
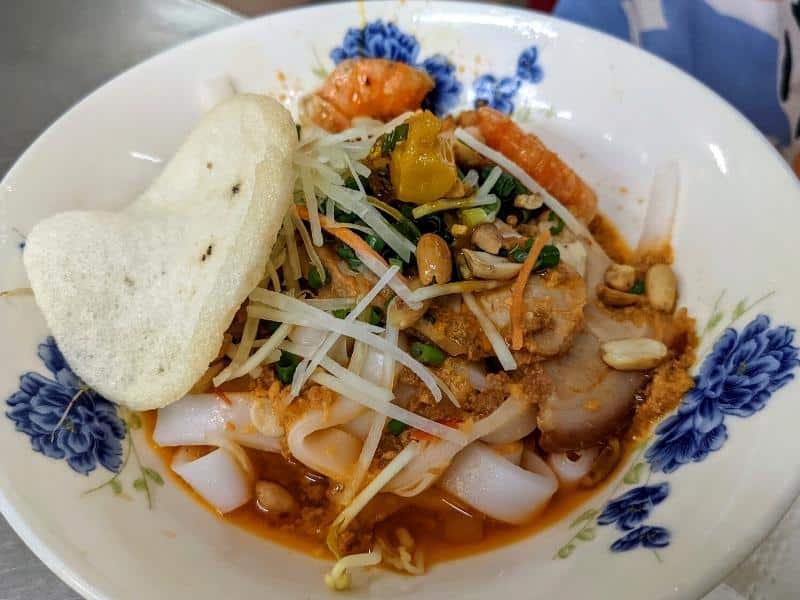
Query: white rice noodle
330, 304
390, 410
666, 193
316, 441
299, 313
426, 468
497, 487
197, 419
313, 257
512, 421
307, 336
368, 493
331, 339
218, 478
499, 345
569, 471
512, 451
499, 159
242, 352
360, 426
375, 366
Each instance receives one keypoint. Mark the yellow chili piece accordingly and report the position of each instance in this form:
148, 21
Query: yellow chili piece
422, 168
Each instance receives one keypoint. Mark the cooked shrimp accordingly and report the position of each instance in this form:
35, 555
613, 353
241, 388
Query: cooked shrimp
366, 87
528, 151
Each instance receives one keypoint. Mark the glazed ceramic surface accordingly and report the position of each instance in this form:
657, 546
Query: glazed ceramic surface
82, 487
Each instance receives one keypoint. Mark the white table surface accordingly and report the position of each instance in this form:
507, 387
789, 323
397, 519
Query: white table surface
52, 53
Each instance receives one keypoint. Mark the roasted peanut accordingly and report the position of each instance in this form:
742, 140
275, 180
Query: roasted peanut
620, 277
633, 354
611, 297
434, 261
529, 201
274, 498
661, 287
486, 237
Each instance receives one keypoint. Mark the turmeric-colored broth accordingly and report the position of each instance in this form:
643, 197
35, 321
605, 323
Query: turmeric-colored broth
442, 527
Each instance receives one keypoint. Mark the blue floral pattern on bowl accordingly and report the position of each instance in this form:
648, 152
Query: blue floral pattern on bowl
499, 93
66, 420
633, 507
385, 40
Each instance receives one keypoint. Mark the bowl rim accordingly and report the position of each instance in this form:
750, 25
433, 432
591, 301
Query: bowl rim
90, 584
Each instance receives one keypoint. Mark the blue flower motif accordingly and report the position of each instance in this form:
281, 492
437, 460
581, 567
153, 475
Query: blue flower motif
444, 95
527, 67
377, 40
91, 433
647, 536
386, 40
498, 94
634, 506
737, 378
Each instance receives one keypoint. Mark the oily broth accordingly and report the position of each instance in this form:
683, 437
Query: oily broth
441, 526
430, 517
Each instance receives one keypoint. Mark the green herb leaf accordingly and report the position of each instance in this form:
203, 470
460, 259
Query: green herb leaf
520, 253
634, 474
714, 320
396, 262
153, 475
116, 486
375, 243
315, 278
565, 551
341, 313
390, 140
637, 287
375, 316
548, 258
134, 420
587, 534
559, 224
427, 354
396, 427
286, 366
585, 516
140, 484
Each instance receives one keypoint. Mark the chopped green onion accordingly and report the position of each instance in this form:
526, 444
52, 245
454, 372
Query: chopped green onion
341, 313
548, 257
396, 262
315, 278
346, 252
286, 366
559, 223
519, 253
448, 204
396, 427
637, 288
269, 327
375, 316
385, 208
427, 354
375, 243
408, 230
390, 140
351, 183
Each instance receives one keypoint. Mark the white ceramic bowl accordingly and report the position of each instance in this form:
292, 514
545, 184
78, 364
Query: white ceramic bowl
616, 114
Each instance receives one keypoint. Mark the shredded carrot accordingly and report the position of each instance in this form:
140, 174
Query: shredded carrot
348, 237
518, 288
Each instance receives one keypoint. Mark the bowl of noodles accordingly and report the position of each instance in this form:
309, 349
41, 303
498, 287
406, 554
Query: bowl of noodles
384, 299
